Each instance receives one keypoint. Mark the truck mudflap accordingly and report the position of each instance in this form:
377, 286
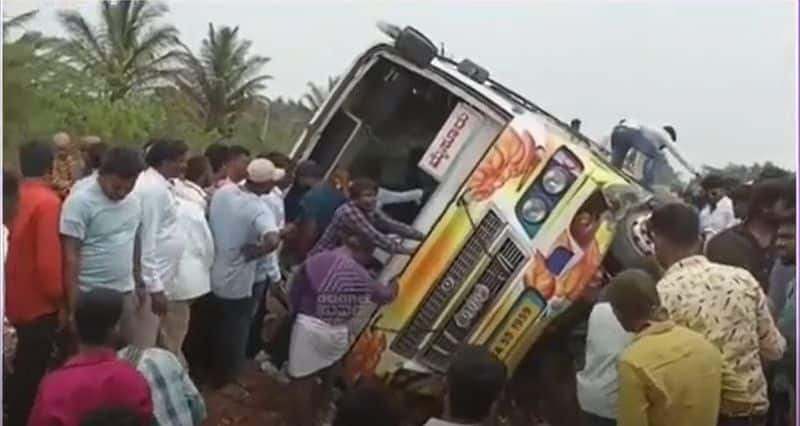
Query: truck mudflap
521, 240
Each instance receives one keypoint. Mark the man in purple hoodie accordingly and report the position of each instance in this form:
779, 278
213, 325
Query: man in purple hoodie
328, 290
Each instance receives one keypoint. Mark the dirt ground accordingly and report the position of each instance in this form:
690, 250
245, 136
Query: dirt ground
264, 407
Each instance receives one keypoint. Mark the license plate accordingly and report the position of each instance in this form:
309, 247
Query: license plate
525, 311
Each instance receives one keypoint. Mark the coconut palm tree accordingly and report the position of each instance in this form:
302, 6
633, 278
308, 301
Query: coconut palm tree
318, 94
129, 50
223, 81
18, 21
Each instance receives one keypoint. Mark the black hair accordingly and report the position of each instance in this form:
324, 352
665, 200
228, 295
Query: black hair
97, 312
650, 265
633, 295
111, 416
123, 162
95, 153
595, 205
217, 155
676, 222
575, 124
237, 151
35, 159
672, 134
279, 159
712, 182
164, 150
365, 406
309, 169
475, 380
767, 192
196, 166
362, 185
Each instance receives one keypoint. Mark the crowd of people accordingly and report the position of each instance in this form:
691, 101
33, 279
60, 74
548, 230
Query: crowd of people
129, 268
136, 276
706, 334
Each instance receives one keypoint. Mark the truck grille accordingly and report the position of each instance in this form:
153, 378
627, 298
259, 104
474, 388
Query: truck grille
475, 248
500, 270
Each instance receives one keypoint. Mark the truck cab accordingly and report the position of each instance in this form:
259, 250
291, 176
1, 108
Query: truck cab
521, 213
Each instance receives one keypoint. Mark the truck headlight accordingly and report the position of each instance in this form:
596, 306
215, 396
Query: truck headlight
555, 180
534, 210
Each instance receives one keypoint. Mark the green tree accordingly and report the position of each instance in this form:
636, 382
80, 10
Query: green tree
223, 81
317, 94
129, 51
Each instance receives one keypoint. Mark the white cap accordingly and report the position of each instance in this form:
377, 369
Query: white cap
262, 170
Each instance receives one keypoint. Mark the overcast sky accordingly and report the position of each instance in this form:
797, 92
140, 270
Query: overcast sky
723, 73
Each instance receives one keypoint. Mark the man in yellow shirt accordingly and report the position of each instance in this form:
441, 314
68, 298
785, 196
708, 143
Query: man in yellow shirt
669, 375
725, 304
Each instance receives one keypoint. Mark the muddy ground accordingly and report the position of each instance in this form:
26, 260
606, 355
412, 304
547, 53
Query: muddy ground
541, 393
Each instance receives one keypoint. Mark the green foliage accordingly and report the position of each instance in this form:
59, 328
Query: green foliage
222, 81
129, 52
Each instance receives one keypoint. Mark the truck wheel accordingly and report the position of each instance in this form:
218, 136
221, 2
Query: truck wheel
632, 241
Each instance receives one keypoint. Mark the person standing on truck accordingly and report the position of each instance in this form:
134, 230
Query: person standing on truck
647, 141
725, 304
718, 214
361, 214
668, 375
326, 293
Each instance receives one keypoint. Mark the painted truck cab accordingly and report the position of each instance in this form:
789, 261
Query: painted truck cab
519, 214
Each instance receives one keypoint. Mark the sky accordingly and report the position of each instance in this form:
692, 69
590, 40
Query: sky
723, 73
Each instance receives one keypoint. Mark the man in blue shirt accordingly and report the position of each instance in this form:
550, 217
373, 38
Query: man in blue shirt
244, 230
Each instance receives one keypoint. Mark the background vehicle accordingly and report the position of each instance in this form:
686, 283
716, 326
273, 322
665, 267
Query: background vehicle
521, 213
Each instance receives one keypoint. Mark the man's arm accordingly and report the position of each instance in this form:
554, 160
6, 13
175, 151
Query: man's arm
632, 402
358, 221
71, 249
49, 256
771, 342
151, 260
391, 226
72, 227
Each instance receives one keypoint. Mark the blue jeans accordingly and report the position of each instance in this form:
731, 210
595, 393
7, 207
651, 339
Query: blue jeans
623, 139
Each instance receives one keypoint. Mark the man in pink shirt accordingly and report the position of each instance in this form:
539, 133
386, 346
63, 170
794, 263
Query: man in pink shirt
95, 377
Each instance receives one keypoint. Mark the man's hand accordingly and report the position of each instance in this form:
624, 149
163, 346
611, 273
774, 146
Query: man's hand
288, 231
252, 252
158, 303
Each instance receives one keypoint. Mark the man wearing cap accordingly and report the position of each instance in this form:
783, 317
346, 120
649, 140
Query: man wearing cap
244, 230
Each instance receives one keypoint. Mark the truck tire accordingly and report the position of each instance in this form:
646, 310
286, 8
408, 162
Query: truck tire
632, 242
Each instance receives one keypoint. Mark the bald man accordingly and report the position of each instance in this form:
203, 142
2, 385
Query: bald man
67, 164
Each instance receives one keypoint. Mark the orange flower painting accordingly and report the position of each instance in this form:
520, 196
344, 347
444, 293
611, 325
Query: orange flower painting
364, 356
514, 155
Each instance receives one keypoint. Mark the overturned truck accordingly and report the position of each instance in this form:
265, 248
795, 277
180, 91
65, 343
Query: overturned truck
521, 213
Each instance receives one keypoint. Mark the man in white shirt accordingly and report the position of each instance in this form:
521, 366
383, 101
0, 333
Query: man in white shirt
160, 240
193, 278
268, 269
718, 214
244, 230
647, 141
597, 384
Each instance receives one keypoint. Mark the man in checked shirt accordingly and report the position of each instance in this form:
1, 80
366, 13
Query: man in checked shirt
362, 215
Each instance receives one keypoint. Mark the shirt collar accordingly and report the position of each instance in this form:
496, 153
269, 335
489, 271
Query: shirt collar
689, 262
655, 327
91, 357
